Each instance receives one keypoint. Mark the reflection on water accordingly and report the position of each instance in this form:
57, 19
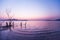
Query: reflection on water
30, 30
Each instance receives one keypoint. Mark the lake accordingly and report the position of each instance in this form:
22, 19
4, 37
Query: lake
31, 30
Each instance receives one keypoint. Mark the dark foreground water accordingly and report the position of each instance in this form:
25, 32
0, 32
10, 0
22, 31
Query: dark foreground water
31, 30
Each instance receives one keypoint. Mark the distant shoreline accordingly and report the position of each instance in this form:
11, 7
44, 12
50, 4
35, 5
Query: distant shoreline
30, 20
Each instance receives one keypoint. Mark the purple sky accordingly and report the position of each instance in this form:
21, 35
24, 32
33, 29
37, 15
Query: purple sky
30, 9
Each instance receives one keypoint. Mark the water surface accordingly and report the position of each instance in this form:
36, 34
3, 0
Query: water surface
31, 30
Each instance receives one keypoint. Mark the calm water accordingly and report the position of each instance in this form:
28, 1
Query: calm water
31, 30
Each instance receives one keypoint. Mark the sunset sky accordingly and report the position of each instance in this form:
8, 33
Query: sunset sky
30, 9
